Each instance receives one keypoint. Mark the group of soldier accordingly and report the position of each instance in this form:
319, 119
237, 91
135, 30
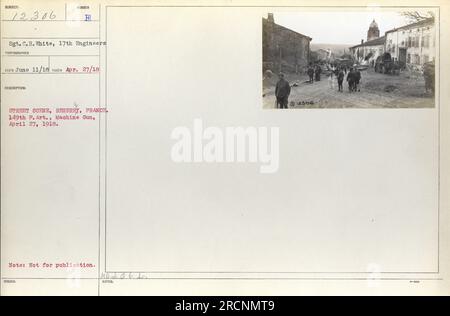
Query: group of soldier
314, 72
283, 88
353, 79
353, 76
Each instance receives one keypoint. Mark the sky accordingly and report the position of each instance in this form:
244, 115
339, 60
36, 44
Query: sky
339, 27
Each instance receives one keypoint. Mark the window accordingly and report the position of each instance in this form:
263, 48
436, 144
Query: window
425, 58
426, 41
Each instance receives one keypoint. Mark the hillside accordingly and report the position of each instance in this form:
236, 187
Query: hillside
337, 49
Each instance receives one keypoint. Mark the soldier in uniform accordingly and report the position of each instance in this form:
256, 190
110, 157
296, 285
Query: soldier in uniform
282, 91
318, 71
351, 80
336, 70
310, 72
340, 79
357, 79
428, 73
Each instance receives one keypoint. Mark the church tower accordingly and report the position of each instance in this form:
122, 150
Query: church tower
373, 32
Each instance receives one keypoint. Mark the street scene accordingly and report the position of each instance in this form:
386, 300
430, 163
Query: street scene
390, 66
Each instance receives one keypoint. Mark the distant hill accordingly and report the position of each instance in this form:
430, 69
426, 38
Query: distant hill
337, 49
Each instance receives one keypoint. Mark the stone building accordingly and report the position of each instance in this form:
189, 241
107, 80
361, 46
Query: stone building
283, 49
413, 44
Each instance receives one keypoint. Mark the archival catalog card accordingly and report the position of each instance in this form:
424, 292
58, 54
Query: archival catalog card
225, 147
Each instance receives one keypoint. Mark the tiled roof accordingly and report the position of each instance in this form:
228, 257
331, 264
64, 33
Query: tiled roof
377, 41
286, 29
412, 25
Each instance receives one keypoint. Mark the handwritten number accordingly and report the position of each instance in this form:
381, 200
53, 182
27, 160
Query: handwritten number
35, 16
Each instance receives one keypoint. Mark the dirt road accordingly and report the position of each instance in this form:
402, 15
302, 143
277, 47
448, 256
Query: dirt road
377, 91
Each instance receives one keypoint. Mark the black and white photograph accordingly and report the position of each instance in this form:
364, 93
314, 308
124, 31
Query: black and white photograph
350, 59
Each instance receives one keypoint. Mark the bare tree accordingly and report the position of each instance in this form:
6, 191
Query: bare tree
416, 16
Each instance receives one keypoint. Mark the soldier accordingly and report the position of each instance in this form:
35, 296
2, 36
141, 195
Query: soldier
340, 78
357, 79
310, 74
428, 74
336, 71
318, 72
351, 80
282, 91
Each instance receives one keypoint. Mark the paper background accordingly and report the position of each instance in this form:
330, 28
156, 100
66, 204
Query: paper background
356, 196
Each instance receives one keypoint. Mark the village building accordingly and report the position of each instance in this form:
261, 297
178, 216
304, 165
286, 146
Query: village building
367, 52
414, 43
284, 49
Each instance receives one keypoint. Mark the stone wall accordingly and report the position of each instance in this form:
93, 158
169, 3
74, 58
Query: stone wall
283, 49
